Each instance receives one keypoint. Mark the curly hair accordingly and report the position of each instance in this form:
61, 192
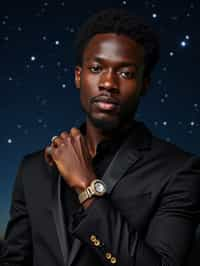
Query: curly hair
120, 21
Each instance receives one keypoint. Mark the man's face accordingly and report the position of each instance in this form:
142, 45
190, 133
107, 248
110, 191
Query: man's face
111, 80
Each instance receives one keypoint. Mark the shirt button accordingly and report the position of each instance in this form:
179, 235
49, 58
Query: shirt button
113, 260
108, 255
93, 238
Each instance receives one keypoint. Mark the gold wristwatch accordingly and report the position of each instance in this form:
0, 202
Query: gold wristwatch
96, 188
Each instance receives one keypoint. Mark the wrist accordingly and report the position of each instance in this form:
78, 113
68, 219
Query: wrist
84, 185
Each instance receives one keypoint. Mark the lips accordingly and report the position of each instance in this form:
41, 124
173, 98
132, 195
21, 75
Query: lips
108, 100
106, 103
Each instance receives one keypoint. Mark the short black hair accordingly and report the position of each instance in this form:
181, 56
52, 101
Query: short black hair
120, 21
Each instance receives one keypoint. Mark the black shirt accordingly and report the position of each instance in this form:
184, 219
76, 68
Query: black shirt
104, 154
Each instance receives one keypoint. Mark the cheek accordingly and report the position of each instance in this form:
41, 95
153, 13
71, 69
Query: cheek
129, 90
88, 89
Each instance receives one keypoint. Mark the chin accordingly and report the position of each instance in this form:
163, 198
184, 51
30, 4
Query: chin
104, 124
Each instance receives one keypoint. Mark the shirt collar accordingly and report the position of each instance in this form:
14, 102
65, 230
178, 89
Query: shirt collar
114, 143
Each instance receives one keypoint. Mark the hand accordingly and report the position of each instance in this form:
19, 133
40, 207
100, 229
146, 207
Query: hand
70, 154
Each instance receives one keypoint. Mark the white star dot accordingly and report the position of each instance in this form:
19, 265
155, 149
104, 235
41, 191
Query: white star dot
57, 42
166, 95
124, 2
164, 123
44, 38
6, 38
183, 43
162, 100
10, 78
154, 15
187, 37
3, 22
19, 28
192, 123
64, 86
171, 53
155, 123
19, 126
33, 58
196, 105
9, 141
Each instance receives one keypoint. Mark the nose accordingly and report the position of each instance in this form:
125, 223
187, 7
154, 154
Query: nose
109, 81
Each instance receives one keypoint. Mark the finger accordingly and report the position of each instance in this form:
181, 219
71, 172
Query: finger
64, 135
47, 155
74, 132
56, 142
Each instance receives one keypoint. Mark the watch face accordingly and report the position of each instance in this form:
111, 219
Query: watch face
99, 187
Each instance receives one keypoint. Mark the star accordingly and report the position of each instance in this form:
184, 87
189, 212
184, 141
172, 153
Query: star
162, 100
154, 15
9, 141
124, 2
57, 42
33, 58
183, 43
171, 53
192, 123
164, 123
155, 123
64, 86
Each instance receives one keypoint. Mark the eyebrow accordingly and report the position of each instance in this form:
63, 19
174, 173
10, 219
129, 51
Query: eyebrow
121, 64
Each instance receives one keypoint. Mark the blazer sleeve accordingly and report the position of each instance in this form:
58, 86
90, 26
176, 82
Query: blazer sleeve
170, 231
16, 248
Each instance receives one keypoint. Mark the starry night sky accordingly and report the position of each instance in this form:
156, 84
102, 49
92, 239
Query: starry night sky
38, 96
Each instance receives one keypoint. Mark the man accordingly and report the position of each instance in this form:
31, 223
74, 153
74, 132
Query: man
109, 192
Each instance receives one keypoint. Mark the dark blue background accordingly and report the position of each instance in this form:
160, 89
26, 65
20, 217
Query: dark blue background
39, 99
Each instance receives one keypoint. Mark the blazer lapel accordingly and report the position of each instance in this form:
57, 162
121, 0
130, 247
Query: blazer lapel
57, 212
129, 153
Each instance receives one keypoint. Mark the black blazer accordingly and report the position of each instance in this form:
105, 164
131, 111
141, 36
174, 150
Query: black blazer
148, 217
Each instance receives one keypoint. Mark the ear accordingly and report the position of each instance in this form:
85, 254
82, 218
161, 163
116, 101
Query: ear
145, 85
78, 70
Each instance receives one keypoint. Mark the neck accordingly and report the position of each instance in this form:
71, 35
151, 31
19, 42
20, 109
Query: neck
96, 135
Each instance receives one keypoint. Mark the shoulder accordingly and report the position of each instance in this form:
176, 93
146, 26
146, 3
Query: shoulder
33, 164
165, 155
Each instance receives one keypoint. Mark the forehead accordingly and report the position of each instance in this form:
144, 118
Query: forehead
114, 47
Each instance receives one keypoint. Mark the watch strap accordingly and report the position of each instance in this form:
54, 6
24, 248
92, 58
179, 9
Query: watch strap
86, 194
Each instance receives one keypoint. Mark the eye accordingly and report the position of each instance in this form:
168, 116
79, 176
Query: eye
95, 69
127, 74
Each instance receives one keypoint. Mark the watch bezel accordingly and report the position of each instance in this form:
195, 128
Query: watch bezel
93, 183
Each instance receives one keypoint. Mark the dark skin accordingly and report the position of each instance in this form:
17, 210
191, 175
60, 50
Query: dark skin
113, 66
